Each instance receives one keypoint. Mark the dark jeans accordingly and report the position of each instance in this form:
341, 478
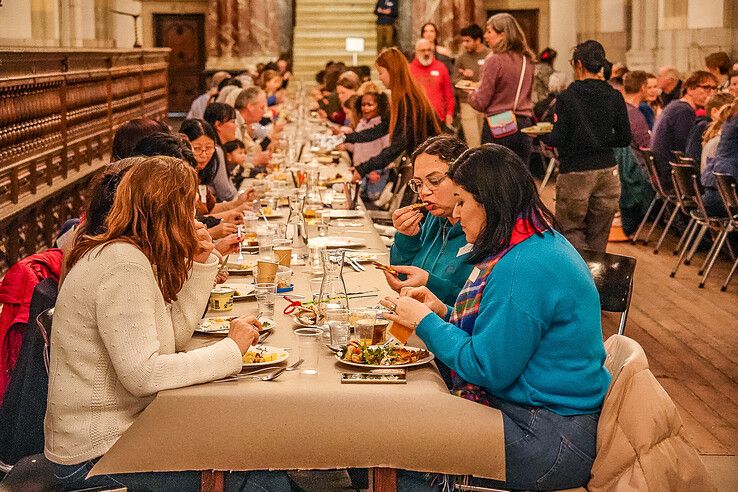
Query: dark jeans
518, 142
543, 451
73, 476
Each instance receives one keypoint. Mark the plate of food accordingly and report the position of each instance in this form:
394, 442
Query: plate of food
366, 257
336, 242
392, 355
264, 355
538, 129
244, 268
220, 325
270, 213
306, 316
242, 292
347, 223
467, 85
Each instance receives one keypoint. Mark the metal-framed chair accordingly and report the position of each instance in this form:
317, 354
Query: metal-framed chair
726, 185
661, 195
404, 175
551, 155
689, 194
613, 277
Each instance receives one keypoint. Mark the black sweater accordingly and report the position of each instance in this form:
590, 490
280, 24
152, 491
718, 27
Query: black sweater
404, 139
591, 119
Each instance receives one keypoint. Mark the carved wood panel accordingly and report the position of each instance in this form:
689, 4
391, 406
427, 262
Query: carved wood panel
57, 117
184, 35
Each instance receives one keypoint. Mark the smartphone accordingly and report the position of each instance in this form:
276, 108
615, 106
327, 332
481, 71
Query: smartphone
386, 268
369, 377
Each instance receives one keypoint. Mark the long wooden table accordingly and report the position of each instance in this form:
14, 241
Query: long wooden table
314, 422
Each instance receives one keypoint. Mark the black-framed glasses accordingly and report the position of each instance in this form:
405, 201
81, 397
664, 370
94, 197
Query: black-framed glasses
433, 182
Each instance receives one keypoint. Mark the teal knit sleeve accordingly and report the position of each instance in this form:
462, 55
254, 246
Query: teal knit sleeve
405, 248
505, 336
444, 288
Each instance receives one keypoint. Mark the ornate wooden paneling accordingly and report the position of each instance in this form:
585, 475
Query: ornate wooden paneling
58, 113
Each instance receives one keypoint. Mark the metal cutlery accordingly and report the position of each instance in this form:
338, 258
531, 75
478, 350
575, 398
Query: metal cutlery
294, 366
357, 264
258, 377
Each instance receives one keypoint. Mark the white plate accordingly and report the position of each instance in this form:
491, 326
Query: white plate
244, 268
398, 366
336, 242
365, 257
283, 355
347, 223
297, 321
243, 292
347, 214
220, 325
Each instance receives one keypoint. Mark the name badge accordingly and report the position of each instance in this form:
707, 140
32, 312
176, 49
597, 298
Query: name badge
474, 274
388, 4
480, 62
203, 192
464, 249
435, 73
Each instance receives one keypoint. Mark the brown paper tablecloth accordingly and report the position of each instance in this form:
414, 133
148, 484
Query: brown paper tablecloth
314, 422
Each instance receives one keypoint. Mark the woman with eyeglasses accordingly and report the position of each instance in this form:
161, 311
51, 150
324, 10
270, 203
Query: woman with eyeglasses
222, 118
203, 139
430, 249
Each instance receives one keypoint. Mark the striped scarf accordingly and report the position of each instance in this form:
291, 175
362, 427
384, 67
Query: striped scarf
467, 304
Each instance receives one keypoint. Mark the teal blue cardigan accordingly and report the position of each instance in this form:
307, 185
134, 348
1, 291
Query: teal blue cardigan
437, 253
537, 339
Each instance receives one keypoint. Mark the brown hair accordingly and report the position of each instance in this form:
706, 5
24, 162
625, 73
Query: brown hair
266, 76
719, 60
696, 79
634, 81
156, 219
714, 129
514, 36
407, 96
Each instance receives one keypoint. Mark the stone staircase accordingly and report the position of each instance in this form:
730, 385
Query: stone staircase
321, 29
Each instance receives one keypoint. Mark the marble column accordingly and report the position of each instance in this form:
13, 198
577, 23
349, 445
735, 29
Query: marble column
642, 54
44, 22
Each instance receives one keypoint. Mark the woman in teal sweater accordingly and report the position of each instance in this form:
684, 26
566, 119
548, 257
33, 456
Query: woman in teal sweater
524, 335
430, 250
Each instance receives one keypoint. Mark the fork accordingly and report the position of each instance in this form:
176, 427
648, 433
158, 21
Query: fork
268, 377
356, 264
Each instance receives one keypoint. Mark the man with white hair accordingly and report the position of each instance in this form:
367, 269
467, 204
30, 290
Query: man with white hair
670, 84
433, 77
250, 106
197, 110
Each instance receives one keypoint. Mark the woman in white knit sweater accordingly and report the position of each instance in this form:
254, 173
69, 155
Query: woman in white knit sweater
129, 304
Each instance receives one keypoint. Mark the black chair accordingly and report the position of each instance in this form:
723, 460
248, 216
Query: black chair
689, 194
662, 195
613, 276
32, 473
726, 185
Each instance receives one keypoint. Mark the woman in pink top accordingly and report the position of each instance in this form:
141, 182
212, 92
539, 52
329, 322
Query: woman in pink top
499, 79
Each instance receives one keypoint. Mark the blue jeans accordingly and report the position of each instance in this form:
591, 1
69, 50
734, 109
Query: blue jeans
543, 451
73, 476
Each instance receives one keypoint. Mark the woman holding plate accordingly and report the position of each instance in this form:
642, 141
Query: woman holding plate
129, 304
524, 335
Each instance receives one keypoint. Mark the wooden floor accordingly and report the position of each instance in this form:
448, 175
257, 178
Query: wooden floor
690, 337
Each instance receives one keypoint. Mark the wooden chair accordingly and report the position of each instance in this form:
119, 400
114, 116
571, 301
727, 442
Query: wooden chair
613, 277
726, 185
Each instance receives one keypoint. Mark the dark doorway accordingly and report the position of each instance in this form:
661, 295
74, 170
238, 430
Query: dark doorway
185, 36
528, 20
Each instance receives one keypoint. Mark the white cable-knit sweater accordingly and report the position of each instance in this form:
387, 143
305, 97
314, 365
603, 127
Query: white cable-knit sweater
115, 343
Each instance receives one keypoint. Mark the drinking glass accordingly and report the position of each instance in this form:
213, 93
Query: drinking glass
265, 293
265, 235
309, 347
325, 220
364, 320
337, 324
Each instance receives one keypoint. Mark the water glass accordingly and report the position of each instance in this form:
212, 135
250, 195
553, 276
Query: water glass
309, 347
265, 235
325, 220
266, 293
315, 262
315, 284
364, 321
337, 323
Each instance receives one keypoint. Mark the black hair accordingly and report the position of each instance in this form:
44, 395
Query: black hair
473, 31
446, 147
229, 81
194, 129
229, 147
320, 77
592, 56
499, 180
130, 133
166, 144
219, 112
382, 104
101, 194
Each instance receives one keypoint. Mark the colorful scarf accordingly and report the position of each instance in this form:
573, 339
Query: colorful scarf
467, 305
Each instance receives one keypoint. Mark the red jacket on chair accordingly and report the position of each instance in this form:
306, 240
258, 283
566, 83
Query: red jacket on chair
16, 291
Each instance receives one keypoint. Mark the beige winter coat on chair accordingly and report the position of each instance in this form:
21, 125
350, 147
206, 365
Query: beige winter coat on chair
640, 436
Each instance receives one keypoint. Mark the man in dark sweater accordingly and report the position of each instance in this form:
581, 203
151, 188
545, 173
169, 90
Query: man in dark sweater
670, 85
386, 12
672, 129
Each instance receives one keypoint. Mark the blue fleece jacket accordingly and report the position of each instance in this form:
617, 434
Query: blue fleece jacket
435, 249
537, 339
